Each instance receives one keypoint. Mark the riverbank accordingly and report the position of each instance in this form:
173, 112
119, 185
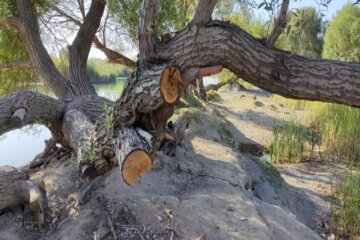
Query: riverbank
209, 190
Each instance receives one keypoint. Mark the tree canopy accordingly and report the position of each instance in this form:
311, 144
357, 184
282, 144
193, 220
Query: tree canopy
303, 34
342, 39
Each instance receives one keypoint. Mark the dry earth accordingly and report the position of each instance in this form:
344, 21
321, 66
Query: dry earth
209, 190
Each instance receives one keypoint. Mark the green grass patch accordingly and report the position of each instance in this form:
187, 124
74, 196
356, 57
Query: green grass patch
337, 128
346, 208
290, 103
291, 142
340, 129
271, 173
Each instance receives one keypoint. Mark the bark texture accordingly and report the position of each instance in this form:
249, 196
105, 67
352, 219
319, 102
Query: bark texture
24, 108
16, 190
80, 48
142, 95
133, 150
128, 132
220, 43
8, 194
147, 30
279, 25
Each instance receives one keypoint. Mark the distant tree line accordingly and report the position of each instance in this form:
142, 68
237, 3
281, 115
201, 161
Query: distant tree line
98, 75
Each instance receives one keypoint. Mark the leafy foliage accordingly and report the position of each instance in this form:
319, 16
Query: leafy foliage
174, 14
346, 211
12, 49
289, 143
303, 34
340, 129
342, 41
246, 20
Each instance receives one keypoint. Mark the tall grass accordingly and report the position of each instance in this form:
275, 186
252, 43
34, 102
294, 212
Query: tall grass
340, 129
290, 142
346, 210
290, 103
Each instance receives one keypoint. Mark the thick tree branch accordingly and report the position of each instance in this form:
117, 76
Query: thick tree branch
10, 66
24, 108
147, 29
273, 70
113, 56
26, 25
203, 12
279, 25
80, 48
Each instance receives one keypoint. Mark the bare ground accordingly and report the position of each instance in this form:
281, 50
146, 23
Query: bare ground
209, 190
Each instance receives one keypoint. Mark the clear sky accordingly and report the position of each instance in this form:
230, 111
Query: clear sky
334, 6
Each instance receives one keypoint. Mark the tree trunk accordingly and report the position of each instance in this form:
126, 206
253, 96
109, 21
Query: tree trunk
128, 132
16, 190
8, 187
133, 150
145, 92
273, 70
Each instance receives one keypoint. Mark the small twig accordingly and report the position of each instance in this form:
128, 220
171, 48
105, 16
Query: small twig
87, 189
132, 228
172, 232
111, 225
170, 223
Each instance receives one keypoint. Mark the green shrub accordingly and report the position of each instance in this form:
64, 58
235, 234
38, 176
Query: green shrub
346, 208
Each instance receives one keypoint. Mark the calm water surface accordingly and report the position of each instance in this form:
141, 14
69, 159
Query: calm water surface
20, 146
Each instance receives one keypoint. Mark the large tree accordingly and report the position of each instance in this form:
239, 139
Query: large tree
342, 40
127, 132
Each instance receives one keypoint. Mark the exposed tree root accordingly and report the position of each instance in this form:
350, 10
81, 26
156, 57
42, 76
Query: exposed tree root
16, 190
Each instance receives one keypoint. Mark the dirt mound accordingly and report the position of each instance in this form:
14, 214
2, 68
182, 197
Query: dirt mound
209, 190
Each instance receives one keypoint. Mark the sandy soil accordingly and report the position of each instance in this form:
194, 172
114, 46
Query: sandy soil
209, 190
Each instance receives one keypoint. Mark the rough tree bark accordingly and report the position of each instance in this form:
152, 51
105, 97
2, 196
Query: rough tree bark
279, 25
104, 134
16, 190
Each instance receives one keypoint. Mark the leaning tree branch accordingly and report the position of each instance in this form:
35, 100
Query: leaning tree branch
221, 43
80, 48
64, 14
24, 108
203, 12
113, 56
19, 64
26, 25
279, 25
147, 29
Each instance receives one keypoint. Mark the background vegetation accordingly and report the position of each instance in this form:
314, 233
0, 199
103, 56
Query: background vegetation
333, 128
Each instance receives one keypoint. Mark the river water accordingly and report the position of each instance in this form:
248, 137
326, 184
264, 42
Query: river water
20, 146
